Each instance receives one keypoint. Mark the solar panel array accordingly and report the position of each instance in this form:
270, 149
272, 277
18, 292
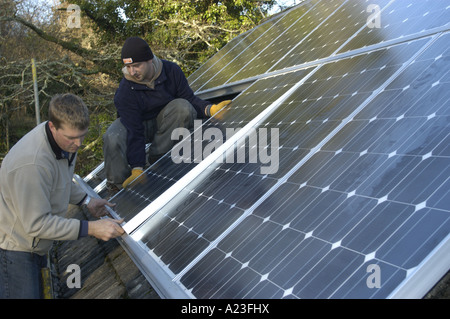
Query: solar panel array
328, 218
354, 117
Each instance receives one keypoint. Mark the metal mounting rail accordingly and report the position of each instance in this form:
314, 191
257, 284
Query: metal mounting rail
159, 279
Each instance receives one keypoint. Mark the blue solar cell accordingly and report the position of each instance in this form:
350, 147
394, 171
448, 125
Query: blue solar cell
415, 238
377, 226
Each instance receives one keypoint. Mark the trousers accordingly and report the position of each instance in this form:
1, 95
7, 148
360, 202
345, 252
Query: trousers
20, 275
176, 114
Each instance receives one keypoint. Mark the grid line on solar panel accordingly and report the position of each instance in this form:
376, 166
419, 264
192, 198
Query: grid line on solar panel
277, 272
383, 205
362, 152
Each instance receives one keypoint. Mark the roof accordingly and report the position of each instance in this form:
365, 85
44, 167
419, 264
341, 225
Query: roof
107, 272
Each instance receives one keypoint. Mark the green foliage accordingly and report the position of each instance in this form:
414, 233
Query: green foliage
109, 17
91, 153
185, 32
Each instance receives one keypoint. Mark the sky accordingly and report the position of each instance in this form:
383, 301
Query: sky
285, 3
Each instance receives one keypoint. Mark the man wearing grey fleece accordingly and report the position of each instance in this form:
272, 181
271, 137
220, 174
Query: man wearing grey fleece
36, 188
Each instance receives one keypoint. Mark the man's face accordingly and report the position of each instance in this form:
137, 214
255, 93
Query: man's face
68, 139
141, 70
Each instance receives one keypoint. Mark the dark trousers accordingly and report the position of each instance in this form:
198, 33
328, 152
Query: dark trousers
20, 275
177, 114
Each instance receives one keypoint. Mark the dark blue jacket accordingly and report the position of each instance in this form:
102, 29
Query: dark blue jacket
136, 103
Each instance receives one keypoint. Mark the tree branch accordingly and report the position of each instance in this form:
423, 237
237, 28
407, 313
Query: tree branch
104, 66
85, 53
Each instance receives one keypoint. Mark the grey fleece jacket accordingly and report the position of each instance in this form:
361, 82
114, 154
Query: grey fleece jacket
36, 188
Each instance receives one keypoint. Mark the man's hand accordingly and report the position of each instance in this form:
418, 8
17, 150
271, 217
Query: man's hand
215, 108
97, 207
136, 174
105, 229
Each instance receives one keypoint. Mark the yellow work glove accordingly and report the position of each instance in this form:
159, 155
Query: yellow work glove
135, 175
213, 109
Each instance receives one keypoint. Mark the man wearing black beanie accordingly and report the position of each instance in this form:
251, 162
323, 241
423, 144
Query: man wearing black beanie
153, 99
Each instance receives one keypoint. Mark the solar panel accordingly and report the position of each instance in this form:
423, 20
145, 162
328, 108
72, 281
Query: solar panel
322, 214
245, 108
346, 18
401, 19
281, 37
357, 206
198, 77
262, 48
225, 67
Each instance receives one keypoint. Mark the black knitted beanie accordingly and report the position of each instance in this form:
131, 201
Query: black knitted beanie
135, 50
